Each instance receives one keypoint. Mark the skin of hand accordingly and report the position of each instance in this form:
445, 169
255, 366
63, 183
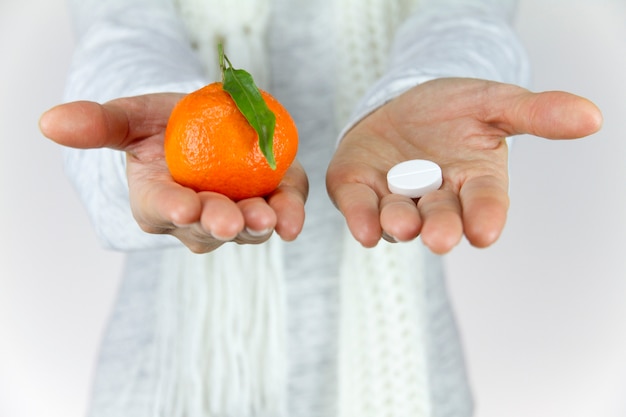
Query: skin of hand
461, 124
202, 221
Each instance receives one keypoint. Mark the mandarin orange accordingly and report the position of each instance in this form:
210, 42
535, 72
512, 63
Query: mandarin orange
210, 146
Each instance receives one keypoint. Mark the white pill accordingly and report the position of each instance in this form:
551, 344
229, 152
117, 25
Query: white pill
414, 178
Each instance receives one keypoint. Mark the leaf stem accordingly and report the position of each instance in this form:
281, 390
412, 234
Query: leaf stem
221, 56
248, 99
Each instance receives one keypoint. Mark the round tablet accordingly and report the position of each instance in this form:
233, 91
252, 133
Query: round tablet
414, 178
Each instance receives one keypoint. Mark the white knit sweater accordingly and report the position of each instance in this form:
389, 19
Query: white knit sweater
175, 344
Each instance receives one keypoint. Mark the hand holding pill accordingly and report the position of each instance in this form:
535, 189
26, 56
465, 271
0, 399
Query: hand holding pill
385, 182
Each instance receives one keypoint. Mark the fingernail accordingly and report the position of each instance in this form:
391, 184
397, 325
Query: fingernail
221, 238
389, 238
259, 233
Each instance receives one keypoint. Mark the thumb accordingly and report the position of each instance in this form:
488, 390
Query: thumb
115, 124
553, 115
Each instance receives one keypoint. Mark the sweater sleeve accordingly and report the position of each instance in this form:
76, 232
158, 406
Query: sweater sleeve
449, 38
124, 48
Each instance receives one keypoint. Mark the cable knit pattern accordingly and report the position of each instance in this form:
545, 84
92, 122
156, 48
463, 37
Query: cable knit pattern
382, 349
383, 367
365, 30
241, 25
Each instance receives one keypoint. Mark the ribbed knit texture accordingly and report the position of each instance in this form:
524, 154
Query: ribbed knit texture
222, 333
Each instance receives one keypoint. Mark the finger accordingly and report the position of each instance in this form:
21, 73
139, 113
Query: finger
221, 217
359, 204
196, 238
442, 226
485, 204
259, 219
288, 201
116, 124
552, 115
163, 205
399, 218
289, 207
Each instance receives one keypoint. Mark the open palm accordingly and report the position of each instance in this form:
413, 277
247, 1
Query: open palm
202, 221
461, 124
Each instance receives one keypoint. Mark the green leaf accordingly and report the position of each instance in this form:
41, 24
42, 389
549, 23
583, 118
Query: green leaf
246, 95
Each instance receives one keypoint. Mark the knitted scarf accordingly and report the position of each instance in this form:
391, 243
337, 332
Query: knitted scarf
223, 324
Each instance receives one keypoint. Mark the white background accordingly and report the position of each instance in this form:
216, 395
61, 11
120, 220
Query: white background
542, 313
